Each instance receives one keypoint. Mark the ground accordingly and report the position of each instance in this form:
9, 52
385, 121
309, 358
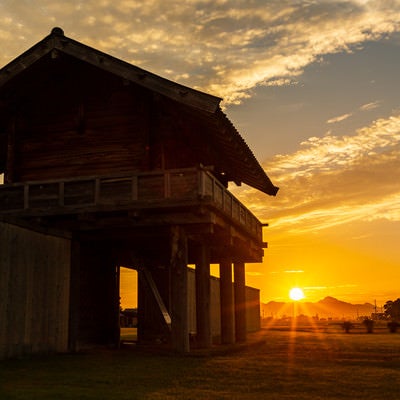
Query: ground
276, 363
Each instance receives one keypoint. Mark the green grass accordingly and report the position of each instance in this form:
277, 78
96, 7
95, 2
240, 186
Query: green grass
280, 365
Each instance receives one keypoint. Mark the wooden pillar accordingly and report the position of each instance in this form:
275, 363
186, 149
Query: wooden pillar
203, 297
117, 307
9, 173
240, 301
179, 290
74, 296
143, 312
227, 306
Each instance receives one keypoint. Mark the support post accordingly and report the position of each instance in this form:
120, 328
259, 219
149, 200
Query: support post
9, 173
179, 290
240, 301
74, 296
117, 302
141, 306
226, 299
203, 297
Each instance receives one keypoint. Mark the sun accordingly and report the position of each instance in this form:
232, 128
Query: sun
296, 294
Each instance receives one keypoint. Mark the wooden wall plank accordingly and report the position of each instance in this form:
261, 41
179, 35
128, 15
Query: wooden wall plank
34, 292
90, 130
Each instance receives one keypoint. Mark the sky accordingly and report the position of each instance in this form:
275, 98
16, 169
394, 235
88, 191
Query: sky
313, 88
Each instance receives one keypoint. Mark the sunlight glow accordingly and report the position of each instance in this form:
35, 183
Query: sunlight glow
296, 294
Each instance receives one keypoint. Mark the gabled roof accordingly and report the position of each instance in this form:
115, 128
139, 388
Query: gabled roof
240, 163
57, 41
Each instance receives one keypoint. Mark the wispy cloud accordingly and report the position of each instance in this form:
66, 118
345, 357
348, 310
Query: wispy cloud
370, 106
289, 271
252, 273
364, 107
339, 118
294, 271
224, 47
333, 180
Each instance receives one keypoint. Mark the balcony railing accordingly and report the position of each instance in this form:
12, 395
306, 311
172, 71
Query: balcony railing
141, 189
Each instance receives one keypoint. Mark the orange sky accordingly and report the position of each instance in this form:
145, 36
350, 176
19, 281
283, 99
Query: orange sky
334, 226
128, 288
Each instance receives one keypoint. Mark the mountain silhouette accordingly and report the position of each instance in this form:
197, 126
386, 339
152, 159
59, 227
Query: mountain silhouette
329, 307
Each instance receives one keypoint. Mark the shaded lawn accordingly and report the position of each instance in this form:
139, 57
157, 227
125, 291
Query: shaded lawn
282, 365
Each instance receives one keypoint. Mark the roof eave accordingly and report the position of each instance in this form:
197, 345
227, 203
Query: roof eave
271, 189
251, 173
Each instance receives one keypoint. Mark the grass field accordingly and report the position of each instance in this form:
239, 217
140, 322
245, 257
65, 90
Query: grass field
276, 364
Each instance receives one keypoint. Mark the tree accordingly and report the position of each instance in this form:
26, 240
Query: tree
392, 325
392, 309
369, 325
347, 325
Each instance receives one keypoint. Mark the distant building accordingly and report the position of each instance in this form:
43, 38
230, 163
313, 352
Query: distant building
376, 316
128, 318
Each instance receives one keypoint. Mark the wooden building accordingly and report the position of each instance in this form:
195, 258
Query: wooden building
108, 165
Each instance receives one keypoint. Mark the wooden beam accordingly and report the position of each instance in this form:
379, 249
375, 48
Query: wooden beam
157, 297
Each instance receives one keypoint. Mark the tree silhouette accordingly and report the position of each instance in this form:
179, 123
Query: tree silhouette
392, 309
347, 325
369, 325
393, 325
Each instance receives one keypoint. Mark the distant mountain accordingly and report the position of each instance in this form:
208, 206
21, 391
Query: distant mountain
329, 307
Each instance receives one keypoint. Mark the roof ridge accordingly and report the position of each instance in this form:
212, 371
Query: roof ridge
57, 40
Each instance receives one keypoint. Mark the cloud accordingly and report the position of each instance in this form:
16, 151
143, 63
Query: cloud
339, 118
250, 273
295, 271
331, 181
224, 47
364, 107
370, 106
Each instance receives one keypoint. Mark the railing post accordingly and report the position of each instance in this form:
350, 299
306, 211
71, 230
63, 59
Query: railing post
97, 190
167, 185
61, 194
26, 196
230, 204
213, 188
201, 183
134, 187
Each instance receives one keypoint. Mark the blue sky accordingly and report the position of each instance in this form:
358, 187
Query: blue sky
313, 88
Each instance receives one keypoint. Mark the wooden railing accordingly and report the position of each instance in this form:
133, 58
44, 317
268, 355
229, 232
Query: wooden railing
147, 188
211, 188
